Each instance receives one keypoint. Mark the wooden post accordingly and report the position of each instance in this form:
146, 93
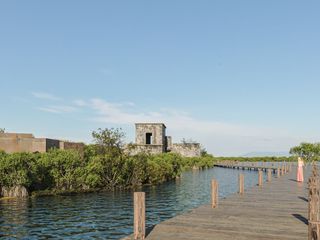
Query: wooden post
282, 170
314, 204
139, 216
214, 193
269, 175
278, 172
260, 178
241, 183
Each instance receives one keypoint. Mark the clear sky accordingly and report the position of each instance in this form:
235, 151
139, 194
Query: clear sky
238, 76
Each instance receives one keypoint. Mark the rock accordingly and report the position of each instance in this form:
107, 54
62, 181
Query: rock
16, 191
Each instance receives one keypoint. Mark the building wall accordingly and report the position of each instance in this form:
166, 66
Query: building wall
24, 144
187, 149
158, 131
72, 145
168, 143
13, 142
9, 145
134, 149
52, 144
16, 135
38, 145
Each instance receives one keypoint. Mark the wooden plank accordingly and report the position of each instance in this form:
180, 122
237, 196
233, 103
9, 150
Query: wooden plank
277, 211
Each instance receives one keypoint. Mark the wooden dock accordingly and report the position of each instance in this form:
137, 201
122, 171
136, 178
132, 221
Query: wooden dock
276, 210
254, 167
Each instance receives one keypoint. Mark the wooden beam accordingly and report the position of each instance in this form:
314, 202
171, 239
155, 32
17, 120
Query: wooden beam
269, 175
260, 178
139, 216
214, 193
241, 183
314, 205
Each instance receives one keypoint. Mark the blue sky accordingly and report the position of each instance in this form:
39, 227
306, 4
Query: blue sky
238, 76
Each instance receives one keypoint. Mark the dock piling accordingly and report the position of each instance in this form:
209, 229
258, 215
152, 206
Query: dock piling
139, 216
260, 178
269, 175
241, 183
314, 205
214, 193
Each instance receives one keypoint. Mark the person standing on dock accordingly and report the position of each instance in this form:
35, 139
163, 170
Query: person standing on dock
300, 170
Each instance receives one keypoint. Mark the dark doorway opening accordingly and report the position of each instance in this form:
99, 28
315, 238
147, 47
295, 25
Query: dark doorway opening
148, 138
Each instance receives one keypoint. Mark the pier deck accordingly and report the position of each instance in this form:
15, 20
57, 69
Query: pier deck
277, 210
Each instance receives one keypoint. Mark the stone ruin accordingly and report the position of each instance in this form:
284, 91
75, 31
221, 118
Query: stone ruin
151, 138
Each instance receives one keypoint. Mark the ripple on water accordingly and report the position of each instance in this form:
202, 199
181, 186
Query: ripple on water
109, 215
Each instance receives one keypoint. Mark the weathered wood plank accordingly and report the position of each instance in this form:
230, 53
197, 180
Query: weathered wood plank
276, 211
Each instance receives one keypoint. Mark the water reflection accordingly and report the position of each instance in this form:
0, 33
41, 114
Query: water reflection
108, 215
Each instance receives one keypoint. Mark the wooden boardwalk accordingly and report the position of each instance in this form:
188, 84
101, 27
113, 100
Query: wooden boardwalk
250, 167
277, 210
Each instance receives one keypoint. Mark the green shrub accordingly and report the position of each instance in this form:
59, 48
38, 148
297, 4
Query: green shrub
65, 169
18, 169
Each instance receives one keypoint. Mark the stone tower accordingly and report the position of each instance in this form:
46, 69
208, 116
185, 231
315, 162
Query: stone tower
151, 136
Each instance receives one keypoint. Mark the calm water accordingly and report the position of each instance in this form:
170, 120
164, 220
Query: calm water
109, 215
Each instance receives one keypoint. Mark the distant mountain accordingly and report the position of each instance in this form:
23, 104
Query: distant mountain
266, 154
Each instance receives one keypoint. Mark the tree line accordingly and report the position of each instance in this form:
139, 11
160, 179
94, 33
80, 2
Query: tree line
308, 151
103, 165
106, 165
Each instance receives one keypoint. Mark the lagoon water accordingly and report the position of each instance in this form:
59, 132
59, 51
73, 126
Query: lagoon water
109, 215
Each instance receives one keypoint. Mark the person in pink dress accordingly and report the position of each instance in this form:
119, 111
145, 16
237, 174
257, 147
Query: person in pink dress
300, 170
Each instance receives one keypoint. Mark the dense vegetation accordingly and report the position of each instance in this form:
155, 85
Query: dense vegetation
308, 151
105, 165
67, 170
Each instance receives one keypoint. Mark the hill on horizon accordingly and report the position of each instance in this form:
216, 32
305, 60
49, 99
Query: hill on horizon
266, 154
